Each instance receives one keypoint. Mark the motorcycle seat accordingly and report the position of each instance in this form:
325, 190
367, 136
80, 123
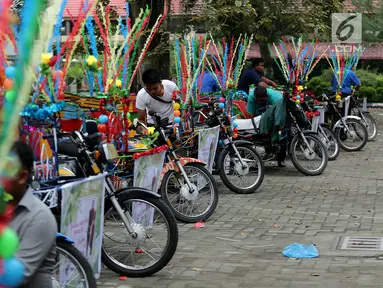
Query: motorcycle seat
248, 124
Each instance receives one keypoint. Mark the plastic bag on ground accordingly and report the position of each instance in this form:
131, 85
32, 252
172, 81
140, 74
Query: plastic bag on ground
297, 250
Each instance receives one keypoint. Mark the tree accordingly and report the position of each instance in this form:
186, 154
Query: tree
372, 25
268, 20
158, 55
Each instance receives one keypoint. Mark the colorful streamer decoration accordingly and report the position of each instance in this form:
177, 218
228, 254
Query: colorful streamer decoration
342, 61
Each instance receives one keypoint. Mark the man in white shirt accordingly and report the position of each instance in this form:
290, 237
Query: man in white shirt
156, 96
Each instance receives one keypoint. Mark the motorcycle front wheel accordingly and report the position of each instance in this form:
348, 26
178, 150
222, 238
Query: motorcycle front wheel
310, 159
354, 138
241, 180
156, 236
190, 205
330, 142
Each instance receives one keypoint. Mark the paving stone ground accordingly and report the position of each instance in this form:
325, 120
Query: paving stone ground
241, 243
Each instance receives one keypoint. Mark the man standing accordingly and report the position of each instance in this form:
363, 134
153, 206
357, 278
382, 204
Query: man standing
350, 80
254, 76
34, 224
156, 96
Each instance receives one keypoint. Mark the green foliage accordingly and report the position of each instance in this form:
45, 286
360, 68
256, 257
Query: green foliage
369, 93
266, 20
371, 88
75, 71
379, 92
372, 19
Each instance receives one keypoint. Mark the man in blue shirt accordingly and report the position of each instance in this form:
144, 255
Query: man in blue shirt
209, 83
254, 76
350, 80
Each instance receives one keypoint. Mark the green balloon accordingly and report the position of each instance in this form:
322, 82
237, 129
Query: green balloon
9, 242
11, 96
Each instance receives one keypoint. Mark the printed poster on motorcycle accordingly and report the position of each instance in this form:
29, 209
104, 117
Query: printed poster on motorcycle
207, 146
82, 220
147, 174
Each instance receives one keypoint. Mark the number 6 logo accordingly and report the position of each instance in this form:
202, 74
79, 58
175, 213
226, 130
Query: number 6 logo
346, 28
343, 26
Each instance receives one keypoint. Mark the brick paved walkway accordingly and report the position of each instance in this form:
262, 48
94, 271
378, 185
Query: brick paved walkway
242, 242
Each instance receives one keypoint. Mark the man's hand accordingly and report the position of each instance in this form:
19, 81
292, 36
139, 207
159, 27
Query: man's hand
274, 84
141, 130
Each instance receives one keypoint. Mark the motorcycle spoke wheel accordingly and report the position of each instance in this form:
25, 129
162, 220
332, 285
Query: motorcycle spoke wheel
147, 253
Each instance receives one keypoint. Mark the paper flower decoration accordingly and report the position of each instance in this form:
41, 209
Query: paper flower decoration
150, 130
91, 60
45, 58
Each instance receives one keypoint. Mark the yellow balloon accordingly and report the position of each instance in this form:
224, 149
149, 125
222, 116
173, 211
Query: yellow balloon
298, 101
176, 106
338, 97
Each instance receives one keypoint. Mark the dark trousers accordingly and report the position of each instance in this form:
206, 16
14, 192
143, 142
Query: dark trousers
282, 153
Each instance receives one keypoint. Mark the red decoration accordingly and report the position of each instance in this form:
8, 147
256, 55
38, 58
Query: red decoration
155, 150
310, 115
102, 128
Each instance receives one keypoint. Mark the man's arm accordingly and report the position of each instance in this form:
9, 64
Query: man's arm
33, 248
269, 82
263, 84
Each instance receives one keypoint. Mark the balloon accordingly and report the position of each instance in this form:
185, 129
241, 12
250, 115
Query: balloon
177, 113
176, 106
235, 130
222, 100
9, 242
102, 128
103, 119
298, 97
294, 98
221, 105
338, 97
302, 95
10, 72
58, 74
235, 135
13, 273
177, 119
11, 96
298, 101
235, 125
8, 83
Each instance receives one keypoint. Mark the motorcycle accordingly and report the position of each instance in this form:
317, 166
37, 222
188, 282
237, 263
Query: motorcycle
86, 157
297, 140
349, 130
367, 119
239, 165
184, 180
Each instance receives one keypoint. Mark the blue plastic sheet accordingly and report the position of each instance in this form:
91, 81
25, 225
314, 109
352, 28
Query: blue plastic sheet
296, 250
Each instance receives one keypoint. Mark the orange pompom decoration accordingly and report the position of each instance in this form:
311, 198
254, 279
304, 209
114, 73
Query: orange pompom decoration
101, 128
177, 113
8, 84
58, 74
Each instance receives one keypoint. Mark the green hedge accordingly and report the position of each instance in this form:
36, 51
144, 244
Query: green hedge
371, 88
